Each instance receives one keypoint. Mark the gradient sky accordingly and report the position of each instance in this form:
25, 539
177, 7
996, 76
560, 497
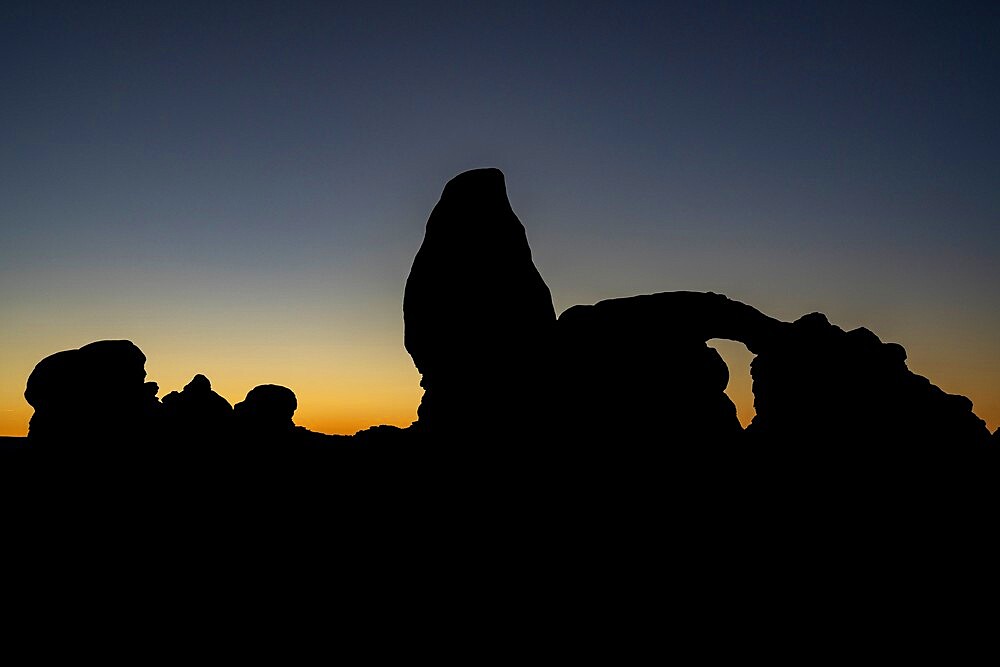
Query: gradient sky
239, 187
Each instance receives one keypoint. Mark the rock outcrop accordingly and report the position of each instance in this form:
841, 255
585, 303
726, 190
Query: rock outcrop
197, 414
95, 401
478, 315
836, 394
95, 394
637, 371
266, 414
622, 390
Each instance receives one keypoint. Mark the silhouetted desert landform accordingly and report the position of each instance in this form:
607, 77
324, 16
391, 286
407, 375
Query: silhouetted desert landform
625, 386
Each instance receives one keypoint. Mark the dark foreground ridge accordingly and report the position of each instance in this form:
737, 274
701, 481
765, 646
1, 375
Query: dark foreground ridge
626, 386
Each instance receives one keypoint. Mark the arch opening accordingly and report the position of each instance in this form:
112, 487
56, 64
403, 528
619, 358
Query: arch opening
740, 387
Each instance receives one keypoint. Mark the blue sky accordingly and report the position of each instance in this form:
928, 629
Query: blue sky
251, 176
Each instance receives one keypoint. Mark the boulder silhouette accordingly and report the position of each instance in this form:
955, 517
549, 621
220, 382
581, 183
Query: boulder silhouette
94, 394
197, 414
478, 316
265, 415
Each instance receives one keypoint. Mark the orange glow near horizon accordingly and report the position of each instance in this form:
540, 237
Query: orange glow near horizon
739, 390
343, 391
242, 191
345, 413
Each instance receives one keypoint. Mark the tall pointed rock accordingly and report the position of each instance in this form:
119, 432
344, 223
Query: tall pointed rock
478, 315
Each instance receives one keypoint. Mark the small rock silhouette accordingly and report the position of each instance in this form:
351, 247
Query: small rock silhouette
266, 413
197, 413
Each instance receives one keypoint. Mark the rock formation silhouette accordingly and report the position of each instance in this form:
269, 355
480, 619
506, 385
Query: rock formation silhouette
478, 316
626, 388
265, 414
94, 394
197, 414
601, 442
95, 401
848, 395
638, 370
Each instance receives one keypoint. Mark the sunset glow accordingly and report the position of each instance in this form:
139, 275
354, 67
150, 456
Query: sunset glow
240, 188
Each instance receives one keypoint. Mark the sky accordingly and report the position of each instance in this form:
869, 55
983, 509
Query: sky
240, 187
